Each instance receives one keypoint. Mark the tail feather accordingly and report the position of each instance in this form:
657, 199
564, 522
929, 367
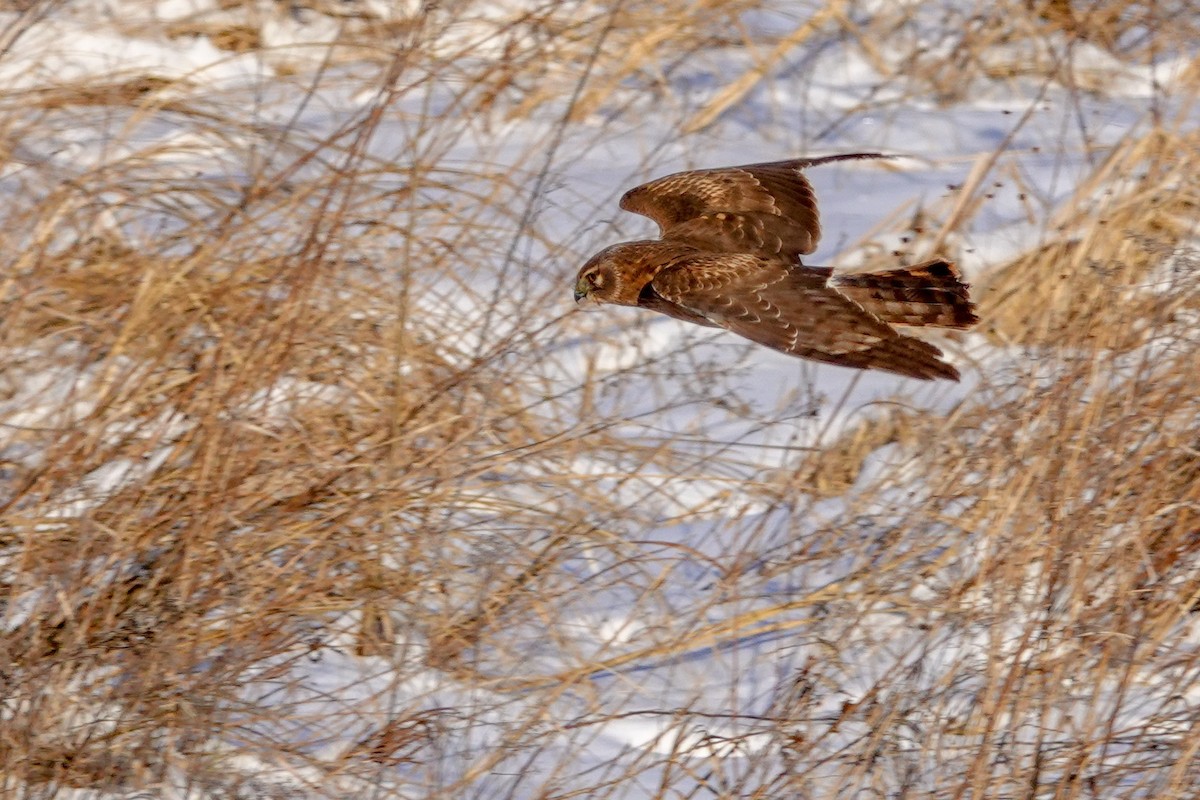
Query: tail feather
923, 295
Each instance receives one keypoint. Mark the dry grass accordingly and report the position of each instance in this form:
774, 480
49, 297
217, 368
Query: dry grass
1098, 278
290, 470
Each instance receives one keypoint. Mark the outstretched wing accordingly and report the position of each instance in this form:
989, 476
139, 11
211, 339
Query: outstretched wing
767, 209
794, 311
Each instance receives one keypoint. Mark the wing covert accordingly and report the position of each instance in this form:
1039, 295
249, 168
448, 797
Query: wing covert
793, 311
769, 209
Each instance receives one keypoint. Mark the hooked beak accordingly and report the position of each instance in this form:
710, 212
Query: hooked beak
581, 291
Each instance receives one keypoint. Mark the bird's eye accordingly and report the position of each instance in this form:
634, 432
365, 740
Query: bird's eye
594, 280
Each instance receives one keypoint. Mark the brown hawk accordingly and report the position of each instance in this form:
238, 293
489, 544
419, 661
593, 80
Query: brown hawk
728, 256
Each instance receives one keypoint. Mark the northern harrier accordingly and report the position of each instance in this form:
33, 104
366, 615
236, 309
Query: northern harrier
728, 257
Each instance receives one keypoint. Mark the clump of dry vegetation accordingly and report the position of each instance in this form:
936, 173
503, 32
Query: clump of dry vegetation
292, 482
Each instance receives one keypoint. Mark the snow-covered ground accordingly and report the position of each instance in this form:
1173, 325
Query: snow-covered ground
615, 701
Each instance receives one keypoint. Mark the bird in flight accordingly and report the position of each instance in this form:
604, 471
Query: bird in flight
728, 256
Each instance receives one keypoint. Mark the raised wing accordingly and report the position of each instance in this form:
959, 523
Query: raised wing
794, 311
768, 209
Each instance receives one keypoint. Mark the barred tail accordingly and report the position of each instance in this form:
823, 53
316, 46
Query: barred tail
928, 294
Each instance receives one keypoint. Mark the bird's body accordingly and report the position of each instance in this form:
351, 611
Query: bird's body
729, 257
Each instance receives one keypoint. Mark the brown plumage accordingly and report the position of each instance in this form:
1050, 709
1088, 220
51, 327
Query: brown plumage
729, 257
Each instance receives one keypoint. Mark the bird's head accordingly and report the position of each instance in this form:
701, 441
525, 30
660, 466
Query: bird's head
604, 278
595, 282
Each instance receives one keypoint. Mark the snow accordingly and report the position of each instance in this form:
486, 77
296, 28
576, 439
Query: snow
771, 408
